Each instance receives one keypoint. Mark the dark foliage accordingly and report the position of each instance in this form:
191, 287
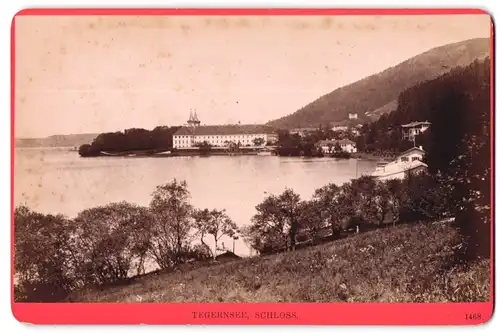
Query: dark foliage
43, 256
458, 145
158, 139
295, 145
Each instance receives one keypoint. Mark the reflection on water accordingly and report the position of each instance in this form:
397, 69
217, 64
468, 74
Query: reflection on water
59, 181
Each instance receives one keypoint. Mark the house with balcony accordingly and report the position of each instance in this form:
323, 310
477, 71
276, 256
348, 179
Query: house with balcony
413, 129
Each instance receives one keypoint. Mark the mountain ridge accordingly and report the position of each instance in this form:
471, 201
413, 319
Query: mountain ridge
377, 94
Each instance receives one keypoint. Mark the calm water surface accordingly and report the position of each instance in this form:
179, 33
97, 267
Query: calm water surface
54, 180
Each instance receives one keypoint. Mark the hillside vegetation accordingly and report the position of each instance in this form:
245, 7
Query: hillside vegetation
378, 93
130, 140
406, 263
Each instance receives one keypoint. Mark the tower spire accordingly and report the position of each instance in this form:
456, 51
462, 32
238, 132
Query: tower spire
193, 119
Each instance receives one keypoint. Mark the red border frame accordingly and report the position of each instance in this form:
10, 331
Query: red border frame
306, 313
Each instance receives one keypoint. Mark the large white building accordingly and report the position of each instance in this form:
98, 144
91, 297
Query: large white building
409, 161
243, 135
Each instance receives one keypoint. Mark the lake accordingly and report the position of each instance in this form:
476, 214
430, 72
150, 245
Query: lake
55, 180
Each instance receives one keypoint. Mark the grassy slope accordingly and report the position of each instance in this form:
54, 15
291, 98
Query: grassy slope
399, 264
378, 93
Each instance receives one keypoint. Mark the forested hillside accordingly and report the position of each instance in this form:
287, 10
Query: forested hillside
457, 145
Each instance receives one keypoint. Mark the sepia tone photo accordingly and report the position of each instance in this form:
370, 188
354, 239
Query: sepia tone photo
252, 158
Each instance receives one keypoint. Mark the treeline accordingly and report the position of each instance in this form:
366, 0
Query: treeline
54, 255
458, 182
295, 145
283, 221
158, 139
424, 102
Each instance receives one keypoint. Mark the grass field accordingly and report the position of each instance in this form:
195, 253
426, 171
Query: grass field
406, 263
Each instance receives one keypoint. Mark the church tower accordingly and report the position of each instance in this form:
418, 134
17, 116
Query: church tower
193, 119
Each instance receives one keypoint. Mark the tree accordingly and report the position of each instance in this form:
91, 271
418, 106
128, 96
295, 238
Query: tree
425, 199
111, 241
268, 230
259, 141
201, 217
276, 221
289, 206
215, 223
44, 265
311, 220
396, 193
204, 147
85, 150
337, 147
327, 199
368, 198
172, 223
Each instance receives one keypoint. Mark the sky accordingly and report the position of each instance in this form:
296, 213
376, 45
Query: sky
92, 74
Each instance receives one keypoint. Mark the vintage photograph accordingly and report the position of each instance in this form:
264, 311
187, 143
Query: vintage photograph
237, 158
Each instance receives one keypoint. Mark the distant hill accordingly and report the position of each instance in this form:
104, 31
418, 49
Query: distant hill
377, 94
57, 140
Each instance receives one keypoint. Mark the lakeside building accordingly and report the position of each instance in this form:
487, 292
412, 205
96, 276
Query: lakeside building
302, 132
193, 134
340, 128
353, 116
413, 129
410, 161
328, 146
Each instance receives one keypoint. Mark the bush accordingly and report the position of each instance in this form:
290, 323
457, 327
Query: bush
341, 155
43, 262
475, 226
425, 198
112, 241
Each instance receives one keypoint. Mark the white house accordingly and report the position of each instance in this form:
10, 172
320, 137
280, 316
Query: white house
221, 135
413, 129
353, 116
409, 161
328, 146
340, 128
302, 132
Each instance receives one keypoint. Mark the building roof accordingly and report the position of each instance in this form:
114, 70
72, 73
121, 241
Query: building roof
411, 150
334, 142
413, 124
393, 168
239, 129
